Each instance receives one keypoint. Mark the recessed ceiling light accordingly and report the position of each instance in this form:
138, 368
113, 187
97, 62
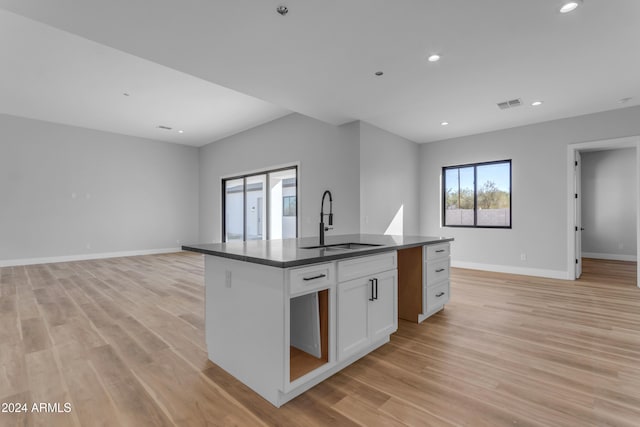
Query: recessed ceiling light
434, 58
569, 6
379, 73
444, 124
180, 131
536, 103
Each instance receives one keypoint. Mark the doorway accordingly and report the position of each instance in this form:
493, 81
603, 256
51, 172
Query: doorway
574, 211
608, 204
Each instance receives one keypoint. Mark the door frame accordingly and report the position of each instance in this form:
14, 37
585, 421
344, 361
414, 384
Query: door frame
577, 210
605, 144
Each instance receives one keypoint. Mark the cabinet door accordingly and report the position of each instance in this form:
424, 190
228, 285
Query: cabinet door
383, 315
353, 321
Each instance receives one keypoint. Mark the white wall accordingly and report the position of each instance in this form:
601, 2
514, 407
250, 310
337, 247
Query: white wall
328, 157
131, 194
609, 204
539, 154
389, 181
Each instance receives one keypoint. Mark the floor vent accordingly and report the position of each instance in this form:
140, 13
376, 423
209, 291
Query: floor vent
510, 103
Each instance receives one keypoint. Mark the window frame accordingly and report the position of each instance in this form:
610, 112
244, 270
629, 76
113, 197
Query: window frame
266, 172
475, 194
283, 205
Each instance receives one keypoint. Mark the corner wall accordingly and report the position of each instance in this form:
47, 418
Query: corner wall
539, 204
74, 193
389, 182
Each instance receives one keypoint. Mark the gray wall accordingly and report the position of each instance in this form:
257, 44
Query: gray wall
609, 194
328, 157
539, 154
131, 194
389, 179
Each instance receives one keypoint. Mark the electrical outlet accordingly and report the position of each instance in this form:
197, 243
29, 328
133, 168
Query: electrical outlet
523, 256
227, 279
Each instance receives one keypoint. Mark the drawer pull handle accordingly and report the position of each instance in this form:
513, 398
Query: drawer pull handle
440, 270
372, 298
439, 294
319, 276
439, 250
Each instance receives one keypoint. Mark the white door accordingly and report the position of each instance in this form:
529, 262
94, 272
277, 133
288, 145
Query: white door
578, 210
353, 320
383, 317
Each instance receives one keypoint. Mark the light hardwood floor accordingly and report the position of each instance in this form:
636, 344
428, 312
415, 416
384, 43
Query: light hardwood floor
122, 340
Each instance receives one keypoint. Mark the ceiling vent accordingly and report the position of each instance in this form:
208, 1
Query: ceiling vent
164, 127
510, 103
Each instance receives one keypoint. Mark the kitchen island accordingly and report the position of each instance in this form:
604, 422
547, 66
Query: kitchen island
283, 315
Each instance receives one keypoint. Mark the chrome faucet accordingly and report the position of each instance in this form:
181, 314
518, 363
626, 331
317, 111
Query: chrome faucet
322, 215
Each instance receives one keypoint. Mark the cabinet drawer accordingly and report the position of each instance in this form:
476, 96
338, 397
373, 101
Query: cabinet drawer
437, 296
436, 271
307, 279
364, 266
441, 250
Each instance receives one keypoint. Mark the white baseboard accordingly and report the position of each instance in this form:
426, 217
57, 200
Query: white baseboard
538, 272
84, 257
615, 257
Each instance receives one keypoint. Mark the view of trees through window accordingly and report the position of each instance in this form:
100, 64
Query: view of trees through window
477, 195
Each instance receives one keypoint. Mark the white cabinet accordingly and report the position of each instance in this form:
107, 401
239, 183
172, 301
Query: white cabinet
383, 313
435, 282
367, 304
353, 315
282, 331
309, 344
309, 278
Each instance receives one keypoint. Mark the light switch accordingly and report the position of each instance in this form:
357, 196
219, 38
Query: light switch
228, 279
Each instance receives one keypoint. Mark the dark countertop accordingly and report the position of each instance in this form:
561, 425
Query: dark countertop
289, 253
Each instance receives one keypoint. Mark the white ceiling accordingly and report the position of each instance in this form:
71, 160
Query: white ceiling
52, 75
319, 60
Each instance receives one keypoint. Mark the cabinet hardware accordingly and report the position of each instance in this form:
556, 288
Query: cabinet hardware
440, 250
376, 297
319, 276
439, 294
371, 298
440, 270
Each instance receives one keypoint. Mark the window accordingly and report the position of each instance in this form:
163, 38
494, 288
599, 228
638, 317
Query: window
477, 195
289, 206
251, 205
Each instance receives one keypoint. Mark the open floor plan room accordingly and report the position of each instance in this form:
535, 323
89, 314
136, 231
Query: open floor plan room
122, 341
316, 213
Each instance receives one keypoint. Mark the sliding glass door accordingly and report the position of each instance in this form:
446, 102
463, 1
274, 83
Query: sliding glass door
261, 205
233, 208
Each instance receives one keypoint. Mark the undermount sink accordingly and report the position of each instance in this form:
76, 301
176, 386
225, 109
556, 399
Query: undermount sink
342, 246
